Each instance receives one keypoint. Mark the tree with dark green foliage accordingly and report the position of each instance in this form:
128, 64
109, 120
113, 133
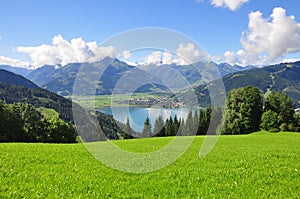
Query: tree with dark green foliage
24, 123
270, 121
169, 131
147, 130
297, 122
127, 130
189, 127
202, 122
280, 105
176, 125
31, 121
159, 127
181, 127
243, 110
11, 125
196, 121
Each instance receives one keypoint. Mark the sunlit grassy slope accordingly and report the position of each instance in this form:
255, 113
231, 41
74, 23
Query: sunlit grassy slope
260, 165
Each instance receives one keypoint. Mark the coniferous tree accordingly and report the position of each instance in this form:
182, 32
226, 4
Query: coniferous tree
176, 125
202, 122
159, 127
127, 130
189, 124
181, 127
169, 131
147, 131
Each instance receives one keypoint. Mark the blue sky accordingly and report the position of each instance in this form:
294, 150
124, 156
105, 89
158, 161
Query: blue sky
217, 26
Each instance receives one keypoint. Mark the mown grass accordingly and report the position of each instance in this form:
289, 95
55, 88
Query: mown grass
260, 165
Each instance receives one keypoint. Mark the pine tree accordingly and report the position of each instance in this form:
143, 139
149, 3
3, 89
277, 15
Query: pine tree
176, 125
159, 127
202, 122
169, 127
188, 127
127, 130
147, 131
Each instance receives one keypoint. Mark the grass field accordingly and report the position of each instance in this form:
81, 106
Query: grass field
260, 165
100, 101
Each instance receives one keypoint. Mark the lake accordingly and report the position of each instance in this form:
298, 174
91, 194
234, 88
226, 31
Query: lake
138, 115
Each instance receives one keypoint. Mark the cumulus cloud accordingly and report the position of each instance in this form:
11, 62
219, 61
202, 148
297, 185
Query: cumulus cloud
231, 4
154, 58
13, 62
63, 52
167, 57
187, 54
277, 37
126, 54
230, 57
267, 40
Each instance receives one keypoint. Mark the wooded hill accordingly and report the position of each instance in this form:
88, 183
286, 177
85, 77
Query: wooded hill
282, 77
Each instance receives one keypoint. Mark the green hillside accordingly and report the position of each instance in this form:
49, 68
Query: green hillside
18, 80
260, 165
43, 98
283, 77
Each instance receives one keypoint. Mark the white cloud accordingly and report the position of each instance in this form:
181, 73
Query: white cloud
167, 57
230, 57
267, 40
0, 37
63, 52
154, 58
231, 4
13, 62
277, 37
187, 54
126, 54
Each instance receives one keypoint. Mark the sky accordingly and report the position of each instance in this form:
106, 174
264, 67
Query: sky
245, 32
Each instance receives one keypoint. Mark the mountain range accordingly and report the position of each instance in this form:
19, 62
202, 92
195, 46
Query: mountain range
61, 79
20, 71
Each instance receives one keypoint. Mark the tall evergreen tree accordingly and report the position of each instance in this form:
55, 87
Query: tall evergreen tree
159, 127
202, 122
176, 125
169, 127
189, 128
127, 130
147, 131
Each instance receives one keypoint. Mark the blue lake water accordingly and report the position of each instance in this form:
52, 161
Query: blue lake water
138, 115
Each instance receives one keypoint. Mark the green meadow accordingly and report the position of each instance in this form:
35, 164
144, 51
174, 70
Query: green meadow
258, 165
100, 101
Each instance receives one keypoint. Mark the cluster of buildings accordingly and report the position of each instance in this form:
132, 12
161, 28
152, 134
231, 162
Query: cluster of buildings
151, 101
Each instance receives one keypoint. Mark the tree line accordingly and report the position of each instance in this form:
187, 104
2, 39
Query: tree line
21, 122
196, 123
246, 110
